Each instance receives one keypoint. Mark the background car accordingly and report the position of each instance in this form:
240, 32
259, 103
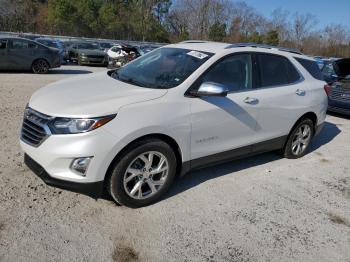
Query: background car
119, 55
24, 54
105, 46
54, 43
337, 75
87, 53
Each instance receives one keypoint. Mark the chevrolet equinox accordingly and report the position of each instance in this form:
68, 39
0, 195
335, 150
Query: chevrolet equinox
129, 132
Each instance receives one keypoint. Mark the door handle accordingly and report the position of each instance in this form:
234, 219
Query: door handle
300, 92
250, 100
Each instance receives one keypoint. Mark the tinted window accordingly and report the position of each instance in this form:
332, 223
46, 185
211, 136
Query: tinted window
19, 44
235, 72
311, 67
276, 70
3, 44
87, 46
163, 68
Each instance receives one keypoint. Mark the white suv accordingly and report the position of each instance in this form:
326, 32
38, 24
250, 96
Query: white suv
179, 107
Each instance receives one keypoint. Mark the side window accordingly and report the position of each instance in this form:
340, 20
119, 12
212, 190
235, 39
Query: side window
32, 45
276, 70
312, 67
234, 71
3, 44
19, 44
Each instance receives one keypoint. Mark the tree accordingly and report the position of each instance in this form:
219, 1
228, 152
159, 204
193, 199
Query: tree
217, 31
272, 38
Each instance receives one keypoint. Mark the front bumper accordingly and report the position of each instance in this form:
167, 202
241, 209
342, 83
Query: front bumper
94, 190
93, 61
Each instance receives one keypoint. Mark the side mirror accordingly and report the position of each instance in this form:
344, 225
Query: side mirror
211, 89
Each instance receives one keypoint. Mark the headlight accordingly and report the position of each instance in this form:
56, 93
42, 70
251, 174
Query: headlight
62, 125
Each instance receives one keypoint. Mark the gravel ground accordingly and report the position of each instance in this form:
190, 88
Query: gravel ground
263, 208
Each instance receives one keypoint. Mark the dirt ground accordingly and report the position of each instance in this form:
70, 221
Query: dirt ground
264, 208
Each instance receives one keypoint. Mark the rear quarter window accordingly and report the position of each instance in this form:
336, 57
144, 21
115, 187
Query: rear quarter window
276, 70
311, 67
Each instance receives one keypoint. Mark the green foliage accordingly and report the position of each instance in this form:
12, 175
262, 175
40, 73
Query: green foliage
128, 19
217, 31
272, 38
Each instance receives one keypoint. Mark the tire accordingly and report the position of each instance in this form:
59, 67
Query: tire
40, 66
299, 139
148, 180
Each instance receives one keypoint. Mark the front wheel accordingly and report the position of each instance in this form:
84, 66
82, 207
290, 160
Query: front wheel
40, 66
299, 139
143, 173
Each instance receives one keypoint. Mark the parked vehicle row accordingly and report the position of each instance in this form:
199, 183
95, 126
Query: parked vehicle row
337, 74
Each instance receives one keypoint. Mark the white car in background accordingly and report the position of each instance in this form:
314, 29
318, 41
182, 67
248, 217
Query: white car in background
180, 107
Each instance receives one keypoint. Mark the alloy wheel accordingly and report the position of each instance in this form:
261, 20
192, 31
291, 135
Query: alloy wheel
146, 175
301, 139
40, 67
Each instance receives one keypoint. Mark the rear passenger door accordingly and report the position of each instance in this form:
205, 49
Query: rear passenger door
283, 97
21, 54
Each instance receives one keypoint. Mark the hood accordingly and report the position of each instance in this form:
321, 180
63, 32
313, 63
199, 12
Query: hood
342, 67
91, 52
90, 95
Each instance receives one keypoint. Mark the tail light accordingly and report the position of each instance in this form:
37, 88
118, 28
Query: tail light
327, 89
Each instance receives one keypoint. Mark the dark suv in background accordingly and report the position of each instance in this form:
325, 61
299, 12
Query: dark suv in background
24, 54
337, 75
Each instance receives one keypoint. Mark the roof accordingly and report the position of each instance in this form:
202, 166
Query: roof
204, 46
216, 47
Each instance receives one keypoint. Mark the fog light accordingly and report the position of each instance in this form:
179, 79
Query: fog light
80, 165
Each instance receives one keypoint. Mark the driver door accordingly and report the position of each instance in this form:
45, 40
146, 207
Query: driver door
223, 127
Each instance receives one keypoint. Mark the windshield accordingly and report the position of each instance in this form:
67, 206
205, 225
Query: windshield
163, 68
328, 69
87, 46
105, 45
50, 43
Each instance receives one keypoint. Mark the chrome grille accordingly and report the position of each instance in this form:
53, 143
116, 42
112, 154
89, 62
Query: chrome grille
34, 127
340, 94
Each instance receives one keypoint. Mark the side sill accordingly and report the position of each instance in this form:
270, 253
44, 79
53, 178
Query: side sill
234, 154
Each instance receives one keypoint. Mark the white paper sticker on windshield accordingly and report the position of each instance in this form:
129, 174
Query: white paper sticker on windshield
197, 54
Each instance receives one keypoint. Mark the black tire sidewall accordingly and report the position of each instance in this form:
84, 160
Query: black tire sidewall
116, 186
40, 60
288, 148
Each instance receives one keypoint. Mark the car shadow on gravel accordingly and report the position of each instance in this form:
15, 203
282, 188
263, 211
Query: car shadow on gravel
196, 177
51, 72
68, 72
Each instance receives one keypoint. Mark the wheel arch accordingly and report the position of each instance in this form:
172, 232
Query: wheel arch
310, 115
166, 138
40, 58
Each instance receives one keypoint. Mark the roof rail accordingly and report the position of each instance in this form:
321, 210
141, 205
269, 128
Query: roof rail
279, 48
193, 41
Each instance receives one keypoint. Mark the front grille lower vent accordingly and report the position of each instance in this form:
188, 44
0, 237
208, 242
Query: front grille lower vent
34, 127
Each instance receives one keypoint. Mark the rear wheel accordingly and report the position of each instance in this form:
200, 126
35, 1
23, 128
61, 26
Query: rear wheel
40, 66
143, 173
299, 139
